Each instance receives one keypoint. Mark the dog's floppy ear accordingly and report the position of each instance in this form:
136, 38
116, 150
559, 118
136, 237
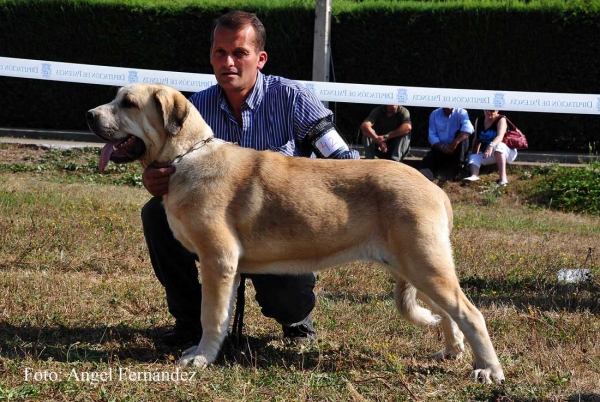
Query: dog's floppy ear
175, 108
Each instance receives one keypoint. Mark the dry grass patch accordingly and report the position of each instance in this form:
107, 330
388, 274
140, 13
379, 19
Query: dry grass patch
69, 227
78, 297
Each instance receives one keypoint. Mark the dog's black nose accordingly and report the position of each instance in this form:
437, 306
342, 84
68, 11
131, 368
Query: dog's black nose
89, 116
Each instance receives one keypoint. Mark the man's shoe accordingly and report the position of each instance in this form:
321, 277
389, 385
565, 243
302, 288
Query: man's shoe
304, 332
181, 335
427, 173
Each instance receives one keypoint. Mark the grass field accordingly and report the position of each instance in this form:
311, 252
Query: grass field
81, 311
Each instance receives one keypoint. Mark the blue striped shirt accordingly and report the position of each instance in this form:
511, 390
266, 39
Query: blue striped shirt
276, 115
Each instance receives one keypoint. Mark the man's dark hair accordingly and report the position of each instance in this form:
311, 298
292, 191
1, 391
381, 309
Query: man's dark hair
236, 20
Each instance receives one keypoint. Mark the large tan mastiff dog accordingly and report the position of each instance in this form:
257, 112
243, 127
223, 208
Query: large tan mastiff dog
245, 211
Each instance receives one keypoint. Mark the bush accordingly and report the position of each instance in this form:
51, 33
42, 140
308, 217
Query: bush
568, 189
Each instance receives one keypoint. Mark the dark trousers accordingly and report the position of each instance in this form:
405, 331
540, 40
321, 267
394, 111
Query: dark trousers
289, 299
398, 148
436, 159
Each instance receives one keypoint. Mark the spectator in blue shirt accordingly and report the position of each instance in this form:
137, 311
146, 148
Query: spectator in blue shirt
254, 111
449, 132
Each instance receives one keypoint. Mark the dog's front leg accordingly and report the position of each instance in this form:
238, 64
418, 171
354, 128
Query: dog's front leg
218, 293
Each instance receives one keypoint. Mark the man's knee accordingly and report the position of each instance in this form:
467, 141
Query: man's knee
153, 214
427, 173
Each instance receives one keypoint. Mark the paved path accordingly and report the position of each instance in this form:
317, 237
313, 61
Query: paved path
59, 144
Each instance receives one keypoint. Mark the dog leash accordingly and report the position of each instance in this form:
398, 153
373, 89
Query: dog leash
194, 147
238, 317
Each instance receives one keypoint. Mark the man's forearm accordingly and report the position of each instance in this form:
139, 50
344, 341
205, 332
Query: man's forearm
368, 132
401, 131
460, 137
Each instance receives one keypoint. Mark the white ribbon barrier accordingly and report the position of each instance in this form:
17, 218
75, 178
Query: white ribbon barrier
326, 91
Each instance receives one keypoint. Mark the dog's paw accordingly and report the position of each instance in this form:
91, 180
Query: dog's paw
446, 355
193, 359
439, 356
186, 360
454, 352
488, 375
198, 357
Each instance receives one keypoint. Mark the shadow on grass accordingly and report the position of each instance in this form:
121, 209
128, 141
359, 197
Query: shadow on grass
270, 352
71, 344
550, 296
584, 398
125, 344
487, 292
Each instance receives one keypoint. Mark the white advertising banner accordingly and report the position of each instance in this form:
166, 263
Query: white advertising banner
544, 102
102, 75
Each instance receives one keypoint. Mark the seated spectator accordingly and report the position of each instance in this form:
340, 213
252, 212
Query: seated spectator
489, 133
449, 131
386, 133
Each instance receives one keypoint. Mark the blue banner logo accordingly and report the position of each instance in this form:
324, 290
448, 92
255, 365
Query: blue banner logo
598, 104
46, 70
132, 77
402, 95
499, 100
310, 87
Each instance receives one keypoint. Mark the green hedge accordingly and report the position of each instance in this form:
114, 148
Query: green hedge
495, 45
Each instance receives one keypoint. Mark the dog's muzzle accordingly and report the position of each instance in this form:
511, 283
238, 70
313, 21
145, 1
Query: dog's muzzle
122, 150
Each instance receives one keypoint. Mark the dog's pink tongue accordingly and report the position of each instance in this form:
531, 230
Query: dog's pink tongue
105, 154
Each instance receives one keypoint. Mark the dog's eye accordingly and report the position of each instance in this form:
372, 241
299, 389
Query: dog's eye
127, 103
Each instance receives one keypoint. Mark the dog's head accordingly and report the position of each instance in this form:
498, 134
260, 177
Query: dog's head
139, 123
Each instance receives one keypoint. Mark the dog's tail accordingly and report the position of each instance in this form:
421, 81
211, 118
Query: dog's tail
405, 295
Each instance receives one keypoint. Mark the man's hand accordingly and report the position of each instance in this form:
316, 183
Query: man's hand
380, 141
450, 148
156, 179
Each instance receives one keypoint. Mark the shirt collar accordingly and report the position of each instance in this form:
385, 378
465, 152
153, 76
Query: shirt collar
253, 99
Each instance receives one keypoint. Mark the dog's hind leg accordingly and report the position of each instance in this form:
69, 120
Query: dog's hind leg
441, 286
219, 282
453, 337
406, 296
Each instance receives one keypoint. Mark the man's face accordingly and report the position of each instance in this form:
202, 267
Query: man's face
235, 59
448, 111
391, 109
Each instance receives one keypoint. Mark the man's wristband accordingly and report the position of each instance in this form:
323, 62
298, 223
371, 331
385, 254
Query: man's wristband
386, 136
